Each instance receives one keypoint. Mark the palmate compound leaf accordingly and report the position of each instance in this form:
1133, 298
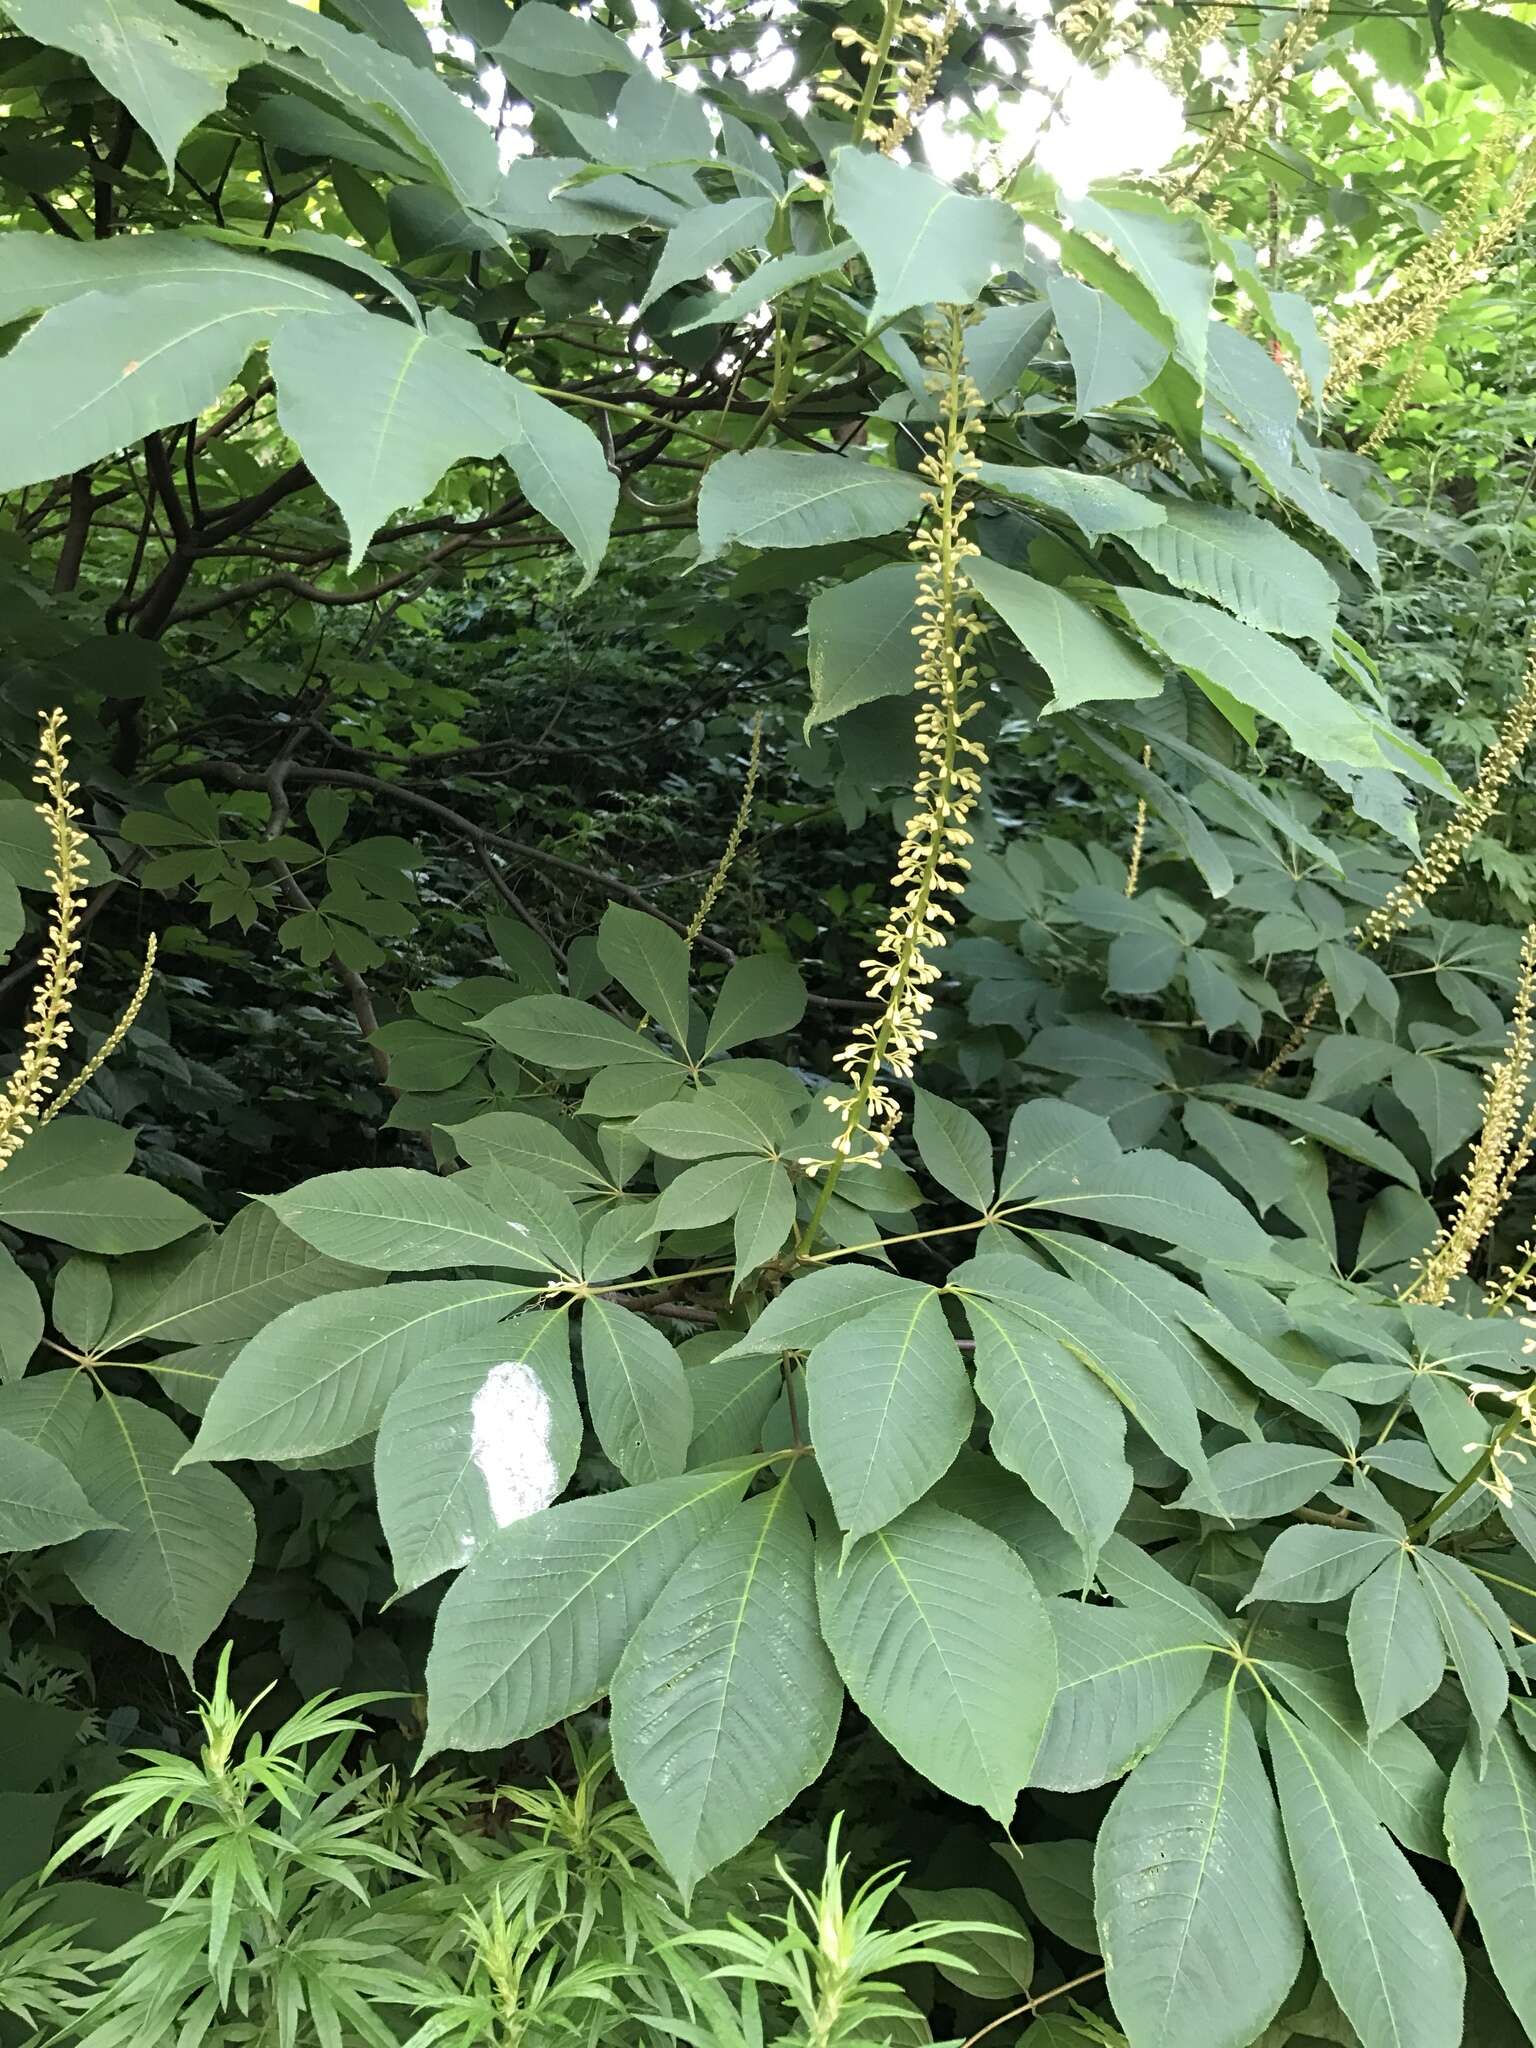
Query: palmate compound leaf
726, 1702
945, 1644
182, 1543
890, 1404
322, 1374
482, 1434
1385, 1949
1125, 1674
1490, 1825
1197, 1913
534, 1628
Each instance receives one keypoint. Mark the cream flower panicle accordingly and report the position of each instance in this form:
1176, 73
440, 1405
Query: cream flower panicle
932, 864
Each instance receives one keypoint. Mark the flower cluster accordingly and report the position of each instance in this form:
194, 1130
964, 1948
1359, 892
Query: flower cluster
1504, 1148
1444, 854
48, 1023
910, 80
1256, 109
1454, 257
737, 832
932, 863
1441, 858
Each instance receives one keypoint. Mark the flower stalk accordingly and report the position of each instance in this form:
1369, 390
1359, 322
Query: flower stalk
932, 863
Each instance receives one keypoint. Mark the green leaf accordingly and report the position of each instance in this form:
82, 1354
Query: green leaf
1458, 1602
1331, 1127
1167, 253
707, 1193
778, 275
704, 239
1197, 1914
321, 1375
1085, 658
759, 998
1056, 1879
1053, 1423
1052, 1143
1386, 1952
40, 1501
109, 1213
504, 1137
1395, 1646
443, 130
954, 1147
712, 1125
533, 1630
1490, 1824
1097, 504
1309, 1562
564, 474
775, 498
945, 1644
253, 1271
1251, 1482
1112, 355
21, 1319
380, 409
168, 66
726, 1701
1228, 659
1161, 1197
558, 1031
1126, 1674
637, 1392
927, 244
482, 1434
1445, 1102
861, 642
1395, 1774
1246, 564
765, 1215
183, 1542
48, 1409
397, 1219
993, 1949
138, 361
818, 1303
650, 962
890, 1406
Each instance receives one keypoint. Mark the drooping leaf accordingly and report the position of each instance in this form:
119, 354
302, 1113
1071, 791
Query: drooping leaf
169, 67
1490, 1824
1126, 1674
481, 1434
943, 1641
927, 244
1167, 253
40, 1500
637, 1392
861, 642
182, 1543
535, 1627
1198, 1920
890, 1405
1085, 658
726, 1702
1259, 573
1053, 1422
1112, 355
397, 1219
1386, 1952
775, 498
1395, 1647
321, 1375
